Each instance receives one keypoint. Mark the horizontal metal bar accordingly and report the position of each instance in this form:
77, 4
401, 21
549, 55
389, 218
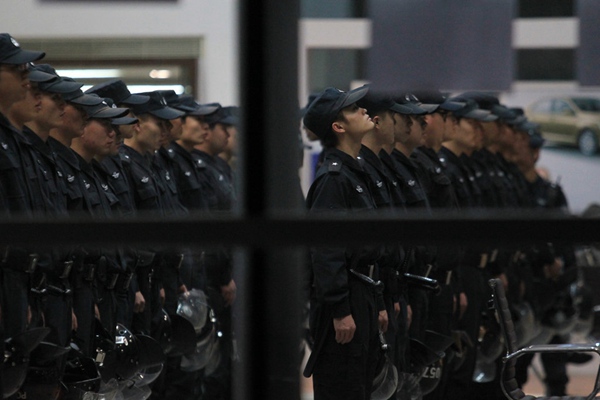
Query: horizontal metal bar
467, 229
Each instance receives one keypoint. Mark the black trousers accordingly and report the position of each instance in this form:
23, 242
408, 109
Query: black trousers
346, 371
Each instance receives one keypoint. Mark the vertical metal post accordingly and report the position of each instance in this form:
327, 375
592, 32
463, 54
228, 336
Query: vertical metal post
270, 323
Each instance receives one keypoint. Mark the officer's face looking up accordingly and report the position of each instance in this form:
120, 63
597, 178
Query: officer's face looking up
402, 125
355, 121
98, 137
14, 83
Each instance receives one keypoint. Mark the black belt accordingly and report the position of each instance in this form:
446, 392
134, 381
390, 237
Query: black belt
19, 259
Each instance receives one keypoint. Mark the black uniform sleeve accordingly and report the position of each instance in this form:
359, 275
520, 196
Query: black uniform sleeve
329, 264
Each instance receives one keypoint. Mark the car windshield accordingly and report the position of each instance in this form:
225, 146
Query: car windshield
587, 104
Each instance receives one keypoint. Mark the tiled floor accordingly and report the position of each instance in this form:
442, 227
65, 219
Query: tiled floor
581, 380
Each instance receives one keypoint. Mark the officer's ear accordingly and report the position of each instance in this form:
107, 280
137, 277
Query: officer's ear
338, 127
376, 120
137, 126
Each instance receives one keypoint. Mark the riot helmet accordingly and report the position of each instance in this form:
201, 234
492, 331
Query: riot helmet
16, 358
175, 334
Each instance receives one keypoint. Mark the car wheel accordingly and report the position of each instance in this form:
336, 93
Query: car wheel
587, 142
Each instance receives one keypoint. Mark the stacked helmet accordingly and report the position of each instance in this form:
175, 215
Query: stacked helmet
135, 353
175, 334
385, 383
194, 307
82, 381
16, 358
524, 321
151, 360
433, 372
489, 348
104, 352
46, 367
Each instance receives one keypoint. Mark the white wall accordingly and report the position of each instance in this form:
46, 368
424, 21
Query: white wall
214, 21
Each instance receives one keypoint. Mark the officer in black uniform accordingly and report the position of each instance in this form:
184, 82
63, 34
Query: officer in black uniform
545, 195
346, 308
51, 287
389, 199
148, 190
112, 167
221, 287
17, 263
442, 198
463, 136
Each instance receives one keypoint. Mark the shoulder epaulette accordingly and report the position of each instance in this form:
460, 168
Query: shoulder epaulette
334, 166
125, 158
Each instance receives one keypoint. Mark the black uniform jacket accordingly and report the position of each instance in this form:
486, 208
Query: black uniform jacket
341, 187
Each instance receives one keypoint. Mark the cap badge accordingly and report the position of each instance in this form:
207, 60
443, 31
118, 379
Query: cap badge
116, 175
359, 189
163, 101
70, 178
14, 42
145, 179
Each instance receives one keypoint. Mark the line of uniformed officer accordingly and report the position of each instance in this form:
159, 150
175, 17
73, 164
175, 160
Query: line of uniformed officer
437, 154
107, 153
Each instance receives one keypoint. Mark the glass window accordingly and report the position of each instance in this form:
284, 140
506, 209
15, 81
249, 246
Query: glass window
546, 64
546, 8
542, 107
334, 67
562, 107
333, 9
587, 104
